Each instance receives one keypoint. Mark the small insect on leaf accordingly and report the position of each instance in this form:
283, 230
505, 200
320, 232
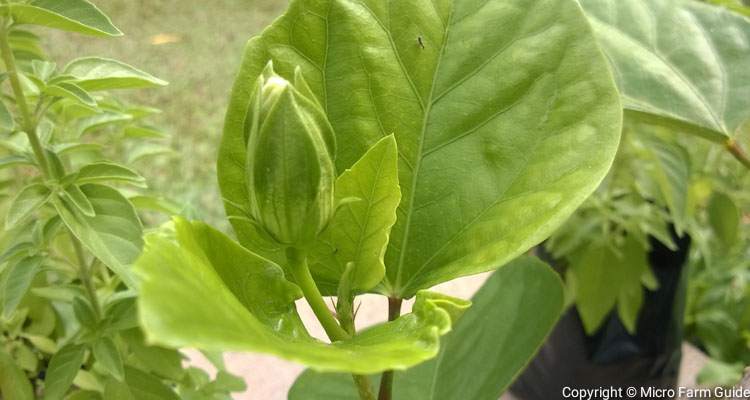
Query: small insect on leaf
420, 42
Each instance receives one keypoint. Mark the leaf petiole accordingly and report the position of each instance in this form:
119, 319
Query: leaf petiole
303, 278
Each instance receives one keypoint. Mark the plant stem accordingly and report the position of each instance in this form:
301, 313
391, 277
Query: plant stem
363, 387
84, 273
301, 272
734, 148
386, 380
28, 123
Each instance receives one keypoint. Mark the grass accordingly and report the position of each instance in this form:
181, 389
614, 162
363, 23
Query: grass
196, 45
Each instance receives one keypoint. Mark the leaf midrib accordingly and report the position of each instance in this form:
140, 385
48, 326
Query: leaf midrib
415, 177
370, 205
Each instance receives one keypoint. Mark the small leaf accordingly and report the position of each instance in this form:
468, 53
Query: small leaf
143, 132
17, 282
22, 248
95, 73
484, 352
629, 302
42, 343
71, 91
13, 382
604, 273
11, 161
43, 69
85, 395
113, 235
101, 120
28, 199
76, 197
64, 293
226, 383
87, 381
145, 150
160, 361
84, 313
672, 172
26, 358
6, 119
724, 217
718, 373
108, 171
121, 314
63, 368
160, 204
209, 292
26, 45
106, 352
76, 147
115, 390
360, 229
69, 15
146, 387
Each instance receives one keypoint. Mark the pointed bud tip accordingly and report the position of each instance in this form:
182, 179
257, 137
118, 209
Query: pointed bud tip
276, 81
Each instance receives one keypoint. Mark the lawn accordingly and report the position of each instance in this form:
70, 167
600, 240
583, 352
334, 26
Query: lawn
196, 46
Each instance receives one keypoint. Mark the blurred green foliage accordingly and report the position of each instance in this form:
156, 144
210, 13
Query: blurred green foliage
196, 46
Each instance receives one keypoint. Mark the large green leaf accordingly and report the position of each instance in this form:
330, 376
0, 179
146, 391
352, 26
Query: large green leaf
113, 234
682, 63
501, 132
360, 229
207, 291
69, 15
96, 73
512, 314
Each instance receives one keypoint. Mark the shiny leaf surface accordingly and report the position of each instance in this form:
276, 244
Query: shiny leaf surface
501, 132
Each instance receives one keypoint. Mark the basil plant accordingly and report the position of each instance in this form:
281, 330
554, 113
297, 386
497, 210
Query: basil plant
386, 147
73, 208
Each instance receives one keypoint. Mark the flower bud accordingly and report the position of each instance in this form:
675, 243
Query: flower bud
289, 167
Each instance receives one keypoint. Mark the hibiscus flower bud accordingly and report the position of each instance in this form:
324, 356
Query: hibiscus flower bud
289, 167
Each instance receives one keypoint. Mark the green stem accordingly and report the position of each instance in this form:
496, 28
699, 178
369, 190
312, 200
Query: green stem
84, 273
301, 272
27, 120
386, 380
29, 125
363, 387
734, 148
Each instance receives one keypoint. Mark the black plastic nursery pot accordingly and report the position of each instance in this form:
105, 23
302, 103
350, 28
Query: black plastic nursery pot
612, 357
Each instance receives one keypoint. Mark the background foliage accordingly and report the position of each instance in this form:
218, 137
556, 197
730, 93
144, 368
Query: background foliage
178, 41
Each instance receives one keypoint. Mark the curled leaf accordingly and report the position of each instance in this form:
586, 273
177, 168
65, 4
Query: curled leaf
204, 290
